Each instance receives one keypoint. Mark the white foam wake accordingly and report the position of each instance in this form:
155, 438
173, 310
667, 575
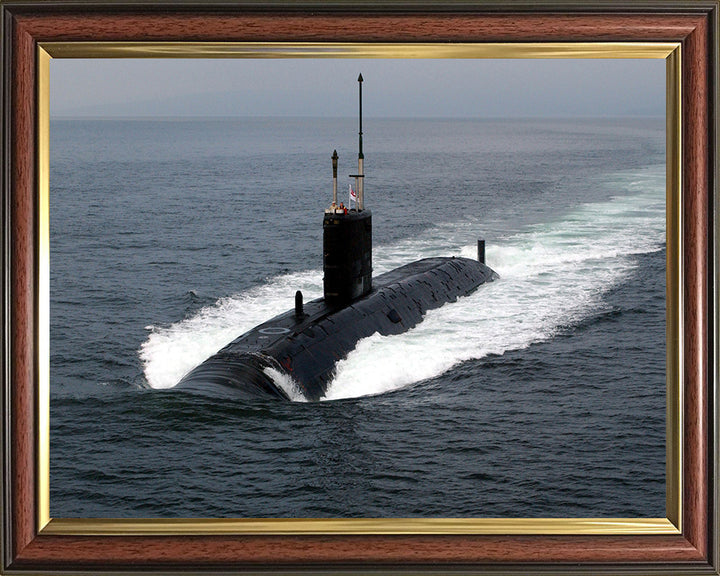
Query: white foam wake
552, 275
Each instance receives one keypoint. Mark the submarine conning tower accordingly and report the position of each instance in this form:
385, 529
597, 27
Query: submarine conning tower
347, 256
347, 237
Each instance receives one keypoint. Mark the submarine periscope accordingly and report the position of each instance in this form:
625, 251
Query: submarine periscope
305, 343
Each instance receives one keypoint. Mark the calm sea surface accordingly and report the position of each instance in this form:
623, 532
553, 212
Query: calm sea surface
540, 395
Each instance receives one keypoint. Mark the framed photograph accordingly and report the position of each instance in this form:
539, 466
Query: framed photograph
580, 437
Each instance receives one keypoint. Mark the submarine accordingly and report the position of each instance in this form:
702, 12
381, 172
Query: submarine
304, 344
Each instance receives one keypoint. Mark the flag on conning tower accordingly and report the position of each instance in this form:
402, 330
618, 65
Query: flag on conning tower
353, 194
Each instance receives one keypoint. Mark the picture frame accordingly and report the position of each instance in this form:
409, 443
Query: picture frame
684, 542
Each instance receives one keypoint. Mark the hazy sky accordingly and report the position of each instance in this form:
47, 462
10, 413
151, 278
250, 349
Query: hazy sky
328, 87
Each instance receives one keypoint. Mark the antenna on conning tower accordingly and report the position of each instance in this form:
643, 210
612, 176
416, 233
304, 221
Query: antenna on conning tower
334, 159
360, 176
361, 158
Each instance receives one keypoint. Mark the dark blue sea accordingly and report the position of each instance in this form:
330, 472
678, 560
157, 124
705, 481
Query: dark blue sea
540, 395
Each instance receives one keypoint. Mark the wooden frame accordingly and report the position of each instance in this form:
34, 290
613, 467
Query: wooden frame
27, 547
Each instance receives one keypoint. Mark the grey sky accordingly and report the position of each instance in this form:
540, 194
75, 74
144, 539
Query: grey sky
328, 87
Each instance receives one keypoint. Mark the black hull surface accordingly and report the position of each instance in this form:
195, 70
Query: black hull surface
306, 348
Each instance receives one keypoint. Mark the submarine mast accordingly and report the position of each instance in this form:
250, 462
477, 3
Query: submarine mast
361, 157
347, 240
334, 159
360, 176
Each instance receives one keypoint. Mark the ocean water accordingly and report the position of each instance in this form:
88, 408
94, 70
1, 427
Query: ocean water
540, 395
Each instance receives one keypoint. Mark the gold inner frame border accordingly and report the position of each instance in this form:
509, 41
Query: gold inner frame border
669, 51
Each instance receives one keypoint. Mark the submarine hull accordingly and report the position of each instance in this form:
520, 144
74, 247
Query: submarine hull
306, 346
